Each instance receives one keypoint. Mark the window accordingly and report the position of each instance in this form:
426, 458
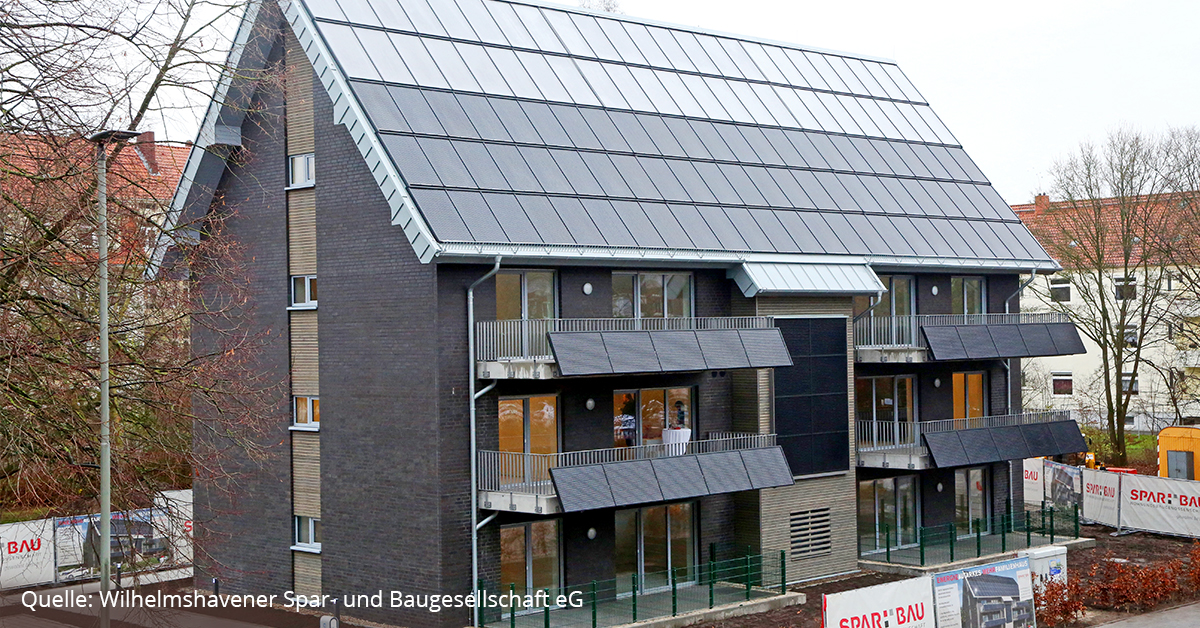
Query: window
1129, 334
1129, 383
1061, 384
301, 171
530, 557
1060, 290
900, 299
967, 295
525, 295
1126, 287
652, 416
811, 533
652, 295
1172, 280
304, 291
307, 533
972, 501
306, 412
969, 397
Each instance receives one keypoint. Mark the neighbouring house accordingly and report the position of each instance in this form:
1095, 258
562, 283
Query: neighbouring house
1165, 388
604, 300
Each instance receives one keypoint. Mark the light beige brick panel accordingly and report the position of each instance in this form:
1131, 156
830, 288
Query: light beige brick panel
306, 474
299, 92
306, 569
304, 353
302, 232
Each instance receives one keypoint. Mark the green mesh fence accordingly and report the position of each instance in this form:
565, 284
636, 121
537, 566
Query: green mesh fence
961, 540
651, 595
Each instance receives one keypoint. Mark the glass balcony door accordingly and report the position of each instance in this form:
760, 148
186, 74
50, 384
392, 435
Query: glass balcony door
887, 513
970, 400
971, 500
889, 404
893, 324
530, 557
967, 296
527, 298
528, 425
653, 541
641, 417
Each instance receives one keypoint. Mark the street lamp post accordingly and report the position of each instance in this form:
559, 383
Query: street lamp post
102, 139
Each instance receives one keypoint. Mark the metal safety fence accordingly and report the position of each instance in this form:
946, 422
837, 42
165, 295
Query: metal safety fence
634, 598
974, 538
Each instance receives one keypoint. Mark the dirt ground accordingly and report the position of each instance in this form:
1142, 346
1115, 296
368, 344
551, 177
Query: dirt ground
1139, 547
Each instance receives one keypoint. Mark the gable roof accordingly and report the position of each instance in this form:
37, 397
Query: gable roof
507, 127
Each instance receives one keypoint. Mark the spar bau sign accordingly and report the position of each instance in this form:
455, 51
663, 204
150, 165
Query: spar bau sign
904, 604
1169, 499
24, 546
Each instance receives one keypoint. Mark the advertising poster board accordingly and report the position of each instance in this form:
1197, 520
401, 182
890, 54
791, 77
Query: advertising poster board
1064, 485
1101, 491
902, 604
26, 554
1035, 490
1160, 504
997, 594
177, 506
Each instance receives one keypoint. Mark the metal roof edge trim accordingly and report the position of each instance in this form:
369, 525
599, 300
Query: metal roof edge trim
750, 279
699, 29
205, 136
470, 251
349, 113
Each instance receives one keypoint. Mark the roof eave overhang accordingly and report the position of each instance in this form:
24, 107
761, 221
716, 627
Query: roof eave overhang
472, 252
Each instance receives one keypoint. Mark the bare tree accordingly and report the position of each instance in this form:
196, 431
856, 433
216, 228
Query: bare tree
607, 6
67, 69
1105, 229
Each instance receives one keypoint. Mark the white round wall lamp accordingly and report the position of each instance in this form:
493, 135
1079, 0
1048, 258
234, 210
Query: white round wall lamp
587, 288
591, 404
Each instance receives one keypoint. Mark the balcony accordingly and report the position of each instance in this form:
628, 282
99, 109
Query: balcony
521, 482
522, 349
899, 444
903, 338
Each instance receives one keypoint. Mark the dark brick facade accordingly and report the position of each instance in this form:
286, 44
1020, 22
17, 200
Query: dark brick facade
244, 523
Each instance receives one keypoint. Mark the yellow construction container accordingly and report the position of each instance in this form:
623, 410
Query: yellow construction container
1178, 452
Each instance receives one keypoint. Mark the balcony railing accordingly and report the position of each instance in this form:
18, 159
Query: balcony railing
515, 472
528, 340
904, 331
906, 435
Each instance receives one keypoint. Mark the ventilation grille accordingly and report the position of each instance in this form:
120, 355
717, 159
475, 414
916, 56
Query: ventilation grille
811, 533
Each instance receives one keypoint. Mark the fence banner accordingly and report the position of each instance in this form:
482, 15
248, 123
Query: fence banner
997, 594
178, 508
1064, 485
902, 604
26, 554
1160, 504
1101, 491
141, 539
1035, 491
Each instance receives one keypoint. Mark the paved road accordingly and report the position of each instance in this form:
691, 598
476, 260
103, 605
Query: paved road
1182, 617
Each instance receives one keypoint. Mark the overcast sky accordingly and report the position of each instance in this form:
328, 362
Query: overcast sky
1020, 83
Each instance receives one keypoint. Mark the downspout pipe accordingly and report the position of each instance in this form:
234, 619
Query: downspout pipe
1007, 308
473, 397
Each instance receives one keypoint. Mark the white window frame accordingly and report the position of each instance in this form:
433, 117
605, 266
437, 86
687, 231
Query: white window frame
1061, 375
313, 405
305, 165
1124, 282
313, 525
1060, 283
637, 290
1126, 380
308, 303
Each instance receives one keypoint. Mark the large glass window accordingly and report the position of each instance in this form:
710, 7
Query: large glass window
652, 416
651, 542
528, 425
530, 557
899, 300
525, 294
887, 513
969, 397
967, 295
889, 404
652, 295
971, 499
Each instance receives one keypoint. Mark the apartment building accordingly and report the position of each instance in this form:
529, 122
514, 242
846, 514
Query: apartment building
1165, 388
601, 299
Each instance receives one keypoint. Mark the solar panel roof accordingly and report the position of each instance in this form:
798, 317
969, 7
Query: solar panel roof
510, 123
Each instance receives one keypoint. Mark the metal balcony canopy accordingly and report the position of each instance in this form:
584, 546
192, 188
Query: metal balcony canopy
617, 352
797, 279
525, 129
668, 478
1022, 340
994, 444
